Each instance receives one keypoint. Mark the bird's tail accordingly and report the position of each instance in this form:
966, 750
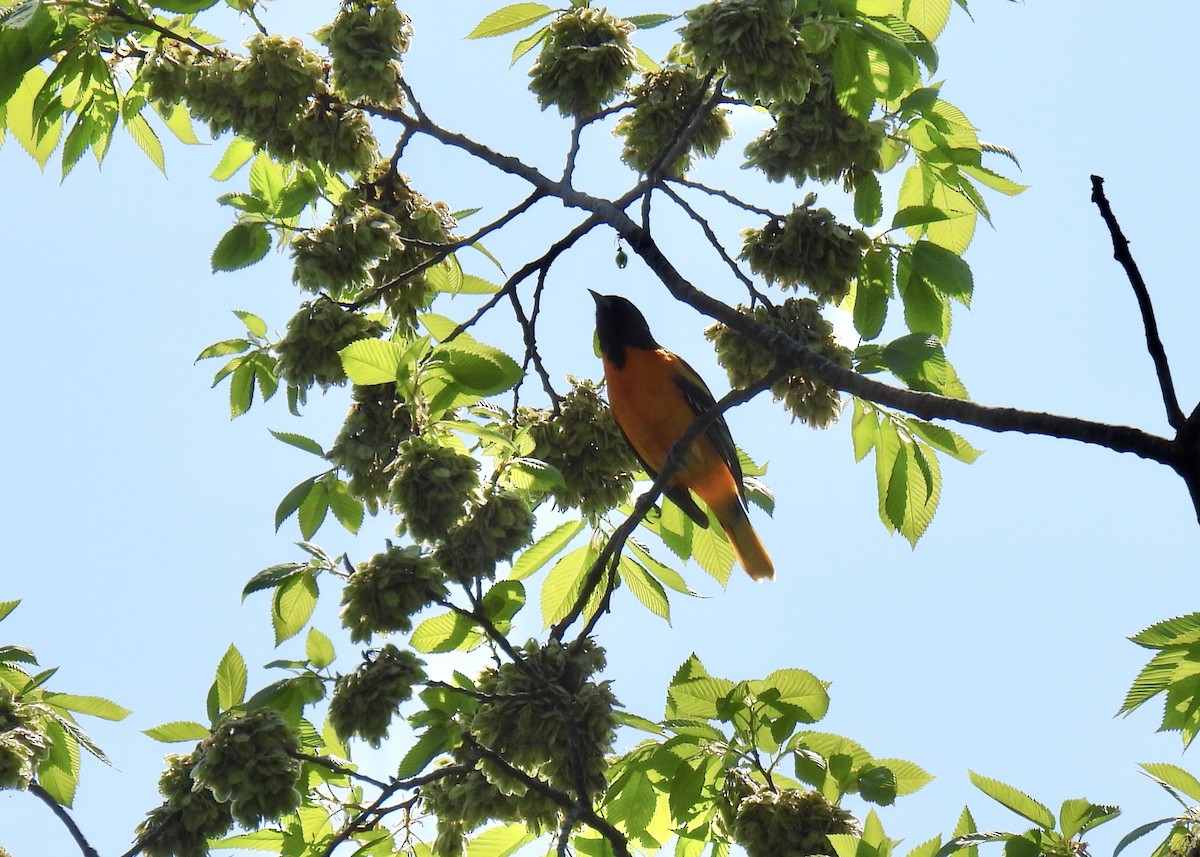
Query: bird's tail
746, 545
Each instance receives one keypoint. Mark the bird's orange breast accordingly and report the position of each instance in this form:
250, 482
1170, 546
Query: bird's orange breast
650, 407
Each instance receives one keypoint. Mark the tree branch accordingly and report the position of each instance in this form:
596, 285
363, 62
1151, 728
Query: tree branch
1153, 343
65, 817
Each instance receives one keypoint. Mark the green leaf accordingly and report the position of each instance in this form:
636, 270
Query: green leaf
1140, 831
7, 607
509, 19
926, 310
289, 504
185, 7
868, 200
35, 138
544, 549
146, 139
270, 577
928, 16
372, 361
476, 367
1178, 631
712, 551
292, 605
432, 743
877, 784
1175, 777
313, 509
943, 440
299, 441
444, 633
1019, 802
96, 706
473, 285
527, 44
237, 155
318, 648
909, 776
242, 246
664, 573
231, 679
58, 773
645, 588
918, 215
502, 602
178, 731
348, 509
564, 583
872, 292
943, 270
499, 841
649, 21
1077, 816
178, 122
224, 348
798, 688
864, 428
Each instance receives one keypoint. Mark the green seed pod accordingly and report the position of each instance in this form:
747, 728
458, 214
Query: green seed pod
490, 533
383, 593
369, 440
308, 354
817, 139
663, 105
586, 59
189, 816
583, 441
365, 701
548, 717
366, 41
432, 486
248, 760
756, 44
810, 248
788, 822
747, 360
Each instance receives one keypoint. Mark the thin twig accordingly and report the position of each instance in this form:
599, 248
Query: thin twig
59, 810
704, 225
725, 195
565, 801
1153, 343
338, 768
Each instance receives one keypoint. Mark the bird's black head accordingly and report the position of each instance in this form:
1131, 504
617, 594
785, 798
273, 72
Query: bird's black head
620, 325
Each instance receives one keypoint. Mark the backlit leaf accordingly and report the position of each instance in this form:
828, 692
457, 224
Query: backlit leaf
509, 19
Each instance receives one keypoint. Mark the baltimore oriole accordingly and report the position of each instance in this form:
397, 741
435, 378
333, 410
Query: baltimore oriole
654, 396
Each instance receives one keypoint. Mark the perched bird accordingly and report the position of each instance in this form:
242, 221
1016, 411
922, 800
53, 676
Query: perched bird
654, 396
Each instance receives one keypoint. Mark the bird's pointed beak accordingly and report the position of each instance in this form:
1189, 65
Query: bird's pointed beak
595, 295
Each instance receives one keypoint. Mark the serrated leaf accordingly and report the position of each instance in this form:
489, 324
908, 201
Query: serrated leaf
1140, 831
178, 731
237, 154
444, 632
96, 706
1077, 816
432, 743
910, 777
299, 441
527, 44
224, 348
231, 679
664, 573
872, 292
372, 361
943, 440
38, 140
499, 841
290, 503
292, 606
7, 607
868, 200
318, 648
1175, 777
943, 270
1177, 631
1016, 800
509, 19
564, 583
313, 509
645, 588
544, 549
712, 551
478, 368
242, 246
918, 215
928, 16
58, 774
141, 132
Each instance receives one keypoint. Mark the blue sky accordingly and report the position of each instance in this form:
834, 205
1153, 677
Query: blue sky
136, 510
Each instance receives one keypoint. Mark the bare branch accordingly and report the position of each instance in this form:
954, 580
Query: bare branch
1153, 343
59, 810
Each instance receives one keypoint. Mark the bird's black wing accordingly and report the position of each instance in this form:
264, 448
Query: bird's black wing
701, 399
